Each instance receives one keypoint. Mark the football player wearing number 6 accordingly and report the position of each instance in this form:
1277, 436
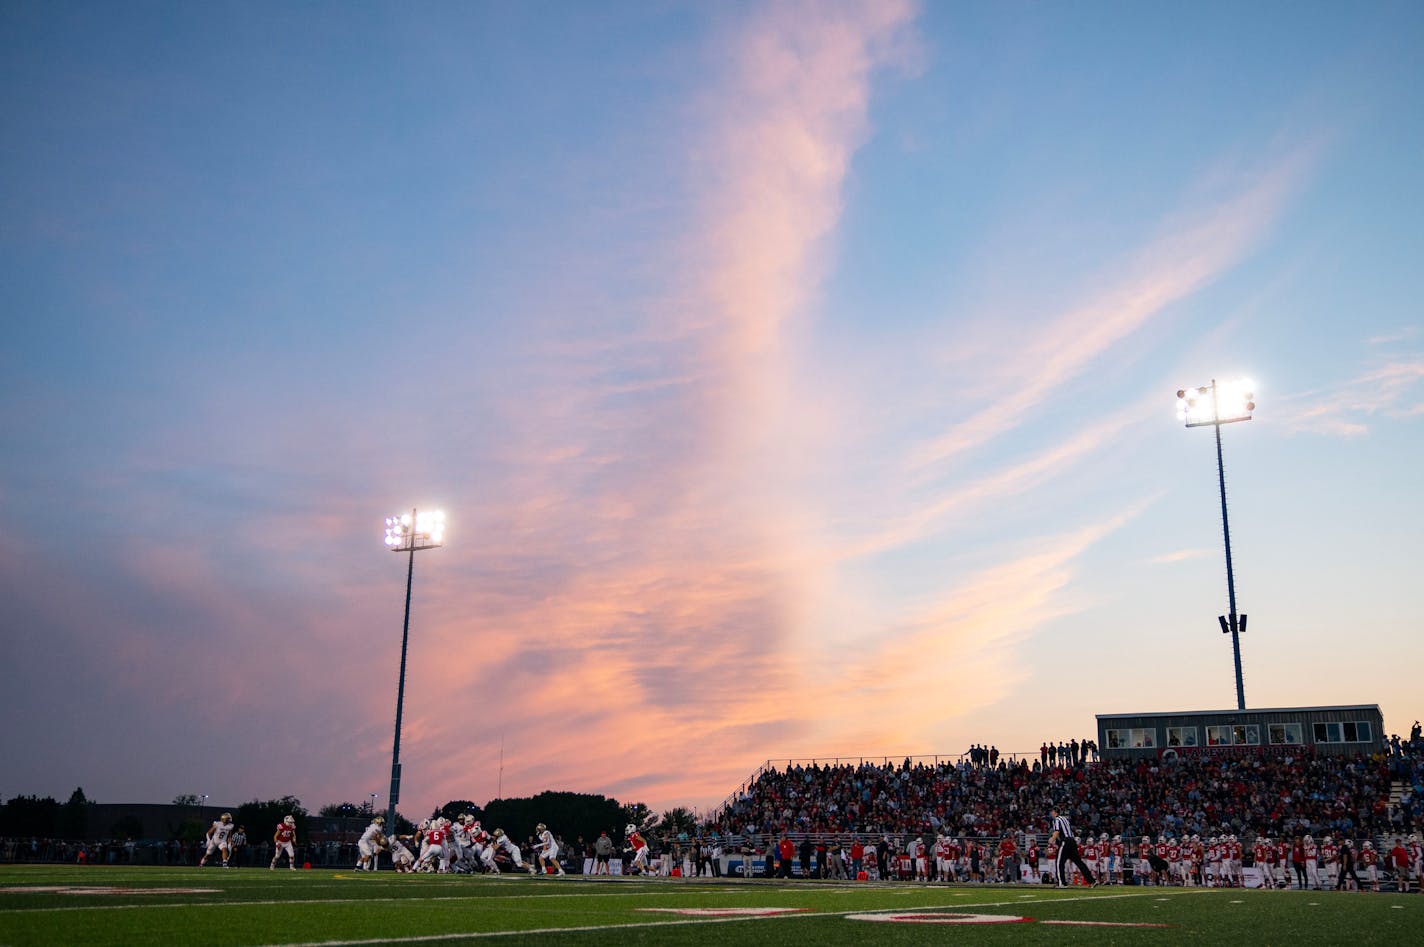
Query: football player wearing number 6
282, 841
218, 834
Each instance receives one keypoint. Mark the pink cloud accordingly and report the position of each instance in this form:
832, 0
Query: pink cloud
1390, 389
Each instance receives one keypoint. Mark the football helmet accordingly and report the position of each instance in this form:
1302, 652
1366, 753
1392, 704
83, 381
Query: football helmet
541, 828
499, 833
1369, 844
226, 817
288, 820
629, 829
379, 820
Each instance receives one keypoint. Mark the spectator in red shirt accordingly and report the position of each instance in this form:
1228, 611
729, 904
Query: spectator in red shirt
857, 859
787, 853
1399, 858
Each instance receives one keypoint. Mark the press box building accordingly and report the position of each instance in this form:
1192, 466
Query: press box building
1354, 728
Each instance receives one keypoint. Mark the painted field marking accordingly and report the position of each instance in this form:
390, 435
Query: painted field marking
933, 917
724, 912
473, 935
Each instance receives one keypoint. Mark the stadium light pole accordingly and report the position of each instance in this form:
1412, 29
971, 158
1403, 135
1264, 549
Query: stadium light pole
1219, 404
409, 533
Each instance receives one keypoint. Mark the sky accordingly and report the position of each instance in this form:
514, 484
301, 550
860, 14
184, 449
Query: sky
798, 379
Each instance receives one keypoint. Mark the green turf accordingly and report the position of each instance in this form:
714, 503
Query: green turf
256, 906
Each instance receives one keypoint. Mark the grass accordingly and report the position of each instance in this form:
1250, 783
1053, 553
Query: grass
122, 905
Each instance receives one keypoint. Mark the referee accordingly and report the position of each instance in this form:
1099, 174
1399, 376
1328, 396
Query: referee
1067, 849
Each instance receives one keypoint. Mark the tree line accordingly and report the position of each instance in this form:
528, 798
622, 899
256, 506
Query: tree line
569, 814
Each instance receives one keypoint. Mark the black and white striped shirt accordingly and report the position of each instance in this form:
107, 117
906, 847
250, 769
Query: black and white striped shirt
1061, 826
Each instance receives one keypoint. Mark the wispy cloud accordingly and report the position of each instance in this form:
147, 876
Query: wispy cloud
1225, 222
1391, 388
644, 537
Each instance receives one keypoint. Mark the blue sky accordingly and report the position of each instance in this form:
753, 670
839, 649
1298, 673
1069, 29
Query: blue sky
798, 379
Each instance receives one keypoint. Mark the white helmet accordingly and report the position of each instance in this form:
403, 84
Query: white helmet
1369, 844
474, 824
629, 829
288, 820
425, 823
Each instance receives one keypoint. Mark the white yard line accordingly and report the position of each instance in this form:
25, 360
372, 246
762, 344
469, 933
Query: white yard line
583, 929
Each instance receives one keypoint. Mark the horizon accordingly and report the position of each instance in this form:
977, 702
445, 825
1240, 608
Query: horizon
798, 380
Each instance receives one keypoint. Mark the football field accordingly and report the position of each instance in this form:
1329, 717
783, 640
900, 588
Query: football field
48, 905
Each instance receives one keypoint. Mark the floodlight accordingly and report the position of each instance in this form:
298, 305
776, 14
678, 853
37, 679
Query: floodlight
408, 532
1217, 404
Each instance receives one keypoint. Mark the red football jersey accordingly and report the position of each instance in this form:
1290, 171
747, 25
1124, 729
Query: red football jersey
285, 833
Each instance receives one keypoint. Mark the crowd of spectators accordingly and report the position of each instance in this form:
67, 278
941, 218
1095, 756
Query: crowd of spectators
1288, 793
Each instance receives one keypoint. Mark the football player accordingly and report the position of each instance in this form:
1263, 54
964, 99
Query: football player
282, 842
1263, 856
505, 842
372, 841
1370, 859
218, 834
546, 850
1330, 854
639, 865
402, 858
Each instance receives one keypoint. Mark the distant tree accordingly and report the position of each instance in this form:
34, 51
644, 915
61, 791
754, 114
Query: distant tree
458, 807
639, 816
678, 822
74, 820
568, 814
342, 810
30, 816
186, 799
260, 817
126, 827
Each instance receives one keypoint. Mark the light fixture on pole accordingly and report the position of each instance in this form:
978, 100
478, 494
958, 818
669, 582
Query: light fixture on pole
1218, 404
410, 533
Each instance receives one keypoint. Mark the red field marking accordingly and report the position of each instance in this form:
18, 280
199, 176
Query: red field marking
724, 912
931, 917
